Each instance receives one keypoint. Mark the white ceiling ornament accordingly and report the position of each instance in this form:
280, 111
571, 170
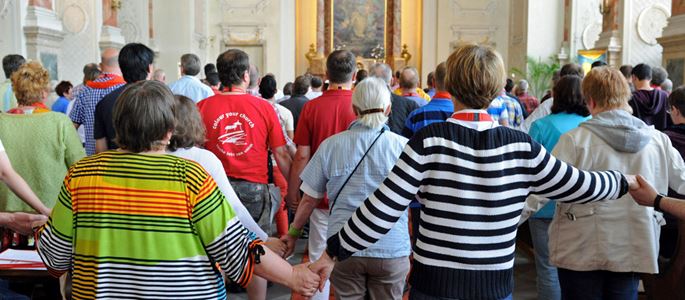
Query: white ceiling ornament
130, 31
74, 19
460, 9
651, 23
252, 7
242, 33
591, 35
4, 8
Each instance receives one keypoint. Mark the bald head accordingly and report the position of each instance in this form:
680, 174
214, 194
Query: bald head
409, 78
109, 61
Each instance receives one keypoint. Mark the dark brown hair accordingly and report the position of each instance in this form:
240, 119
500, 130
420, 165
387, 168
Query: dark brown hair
568, 96
63, 87
189, 130
677, 99
143, 115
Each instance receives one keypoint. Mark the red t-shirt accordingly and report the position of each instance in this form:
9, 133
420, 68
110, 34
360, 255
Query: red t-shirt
323, 117
240, 130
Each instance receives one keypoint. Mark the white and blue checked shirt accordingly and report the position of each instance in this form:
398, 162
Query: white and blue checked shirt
192, 88
334, 161
84, 110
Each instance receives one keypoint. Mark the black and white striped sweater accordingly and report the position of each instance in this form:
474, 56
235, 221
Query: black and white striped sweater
472, 184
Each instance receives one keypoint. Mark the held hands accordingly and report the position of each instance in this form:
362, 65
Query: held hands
632, 182
24, 223
304, 281
644, 194
323, 267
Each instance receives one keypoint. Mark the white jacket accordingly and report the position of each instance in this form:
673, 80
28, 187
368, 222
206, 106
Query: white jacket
618, 235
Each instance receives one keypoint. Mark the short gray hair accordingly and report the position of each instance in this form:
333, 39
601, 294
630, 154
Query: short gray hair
523, 85
381, 71
371, 93
407, 80
190, 64
667, 85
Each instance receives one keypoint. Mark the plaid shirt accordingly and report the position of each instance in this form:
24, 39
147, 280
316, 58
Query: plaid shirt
529, 102
84, 110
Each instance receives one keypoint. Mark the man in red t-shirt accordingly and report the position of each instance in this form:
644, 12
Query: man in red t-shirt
241, 128
321, 118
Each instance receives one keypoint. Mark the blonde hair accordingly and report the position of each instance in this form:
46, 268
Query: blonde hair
371, 94
607, 87
30, 83
475, 75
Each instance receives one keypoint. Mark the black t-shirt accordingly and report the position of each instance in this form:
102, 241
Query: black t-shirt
295, 105
104, 126
401, 108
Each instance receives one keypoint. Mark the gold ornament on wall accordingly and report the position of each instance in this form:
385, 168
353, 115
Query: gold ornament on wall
605, 7
116, 5
405, 54
311, 54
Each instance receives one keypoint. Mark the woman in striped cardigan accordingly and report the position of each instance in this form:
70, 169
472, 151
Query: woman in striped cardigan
139, 223
472, 178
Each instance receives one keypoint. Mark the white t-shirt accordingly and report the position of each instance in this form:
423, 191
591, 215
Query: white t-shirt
312, 94
286, 117
213, 165
543, 110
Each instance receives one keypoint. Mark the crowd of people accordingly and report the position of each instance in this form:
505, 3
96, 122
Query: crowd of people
202, 187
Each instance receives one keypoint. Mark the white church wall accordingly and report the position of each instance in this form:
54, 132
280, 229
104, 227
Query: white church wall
82, 20
265, 29
448, 23
12, 19
173, 26
643, 23
545, 28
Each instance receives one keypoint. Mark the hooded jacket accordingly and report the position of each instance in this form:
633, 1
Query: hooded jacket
650, 107
619, 235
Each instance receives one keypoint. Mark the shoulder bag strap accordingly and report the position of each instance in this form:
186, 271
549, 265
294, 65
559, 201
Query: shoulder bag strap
355, 169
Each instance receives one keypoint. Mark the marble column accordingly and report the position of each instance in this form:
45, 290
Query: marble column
673, 42
44, 34
111, 35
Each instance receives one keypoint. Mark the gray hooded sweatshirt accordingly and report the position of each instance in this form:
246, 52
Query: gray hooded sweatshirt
620, 129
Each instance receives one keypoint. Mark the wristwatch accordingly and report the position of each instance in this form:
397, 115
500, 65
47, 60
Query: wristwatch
657, 202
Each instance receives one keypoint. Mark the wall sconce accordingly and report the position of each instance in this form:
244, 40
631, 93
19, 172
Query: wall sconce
605, 7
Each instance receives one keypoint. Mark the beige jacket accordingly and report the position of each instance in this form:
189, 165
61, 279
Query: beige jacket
618, 235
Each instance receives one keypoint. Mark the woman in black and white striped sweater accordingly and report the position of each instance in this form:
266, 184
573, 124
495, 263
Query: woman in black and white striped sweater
472, 178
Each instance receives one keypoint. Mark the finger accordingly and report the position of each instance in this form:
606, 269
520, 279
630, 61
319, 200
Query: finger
322, 283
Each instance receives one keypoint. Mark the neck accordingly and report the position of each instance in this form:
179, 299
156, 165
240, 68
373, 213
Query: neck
459, 106
112, 71
643, 85
409, 90
340, 86
237, 89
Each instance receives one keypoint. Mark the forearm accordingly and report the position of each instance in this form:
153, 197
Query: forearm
284, 161
273, 268
294, 181
673, 206
304, 210
5, 219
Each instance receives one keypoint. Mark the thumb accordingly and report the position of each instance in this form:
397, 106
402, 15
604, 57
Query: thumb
322, 281
641, 180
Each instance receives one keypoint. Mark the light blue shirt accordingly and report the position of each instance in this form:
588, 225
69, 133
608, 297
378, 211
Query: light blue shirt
335, 160
192, 88
547, 132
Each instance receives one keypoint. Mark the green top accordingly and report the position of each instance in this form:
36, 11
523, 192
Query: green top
41, 147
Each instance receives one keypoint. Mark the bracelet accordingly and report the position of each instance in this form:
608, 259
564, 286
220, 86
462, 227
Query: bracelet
657, 202
294, 232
